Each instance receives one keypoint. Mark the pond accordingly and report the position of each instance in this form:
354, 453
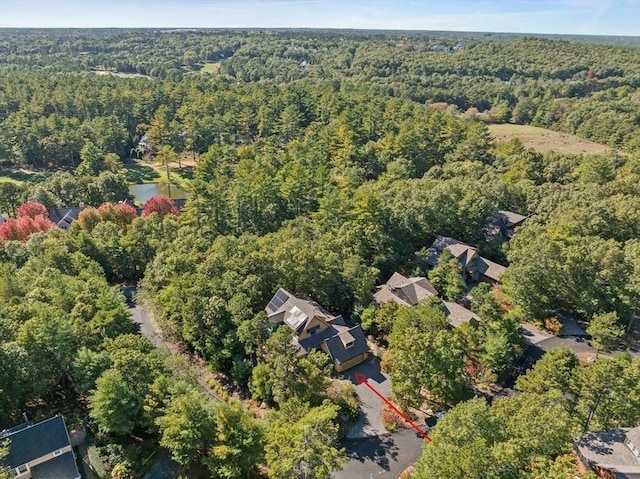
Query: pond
142, 192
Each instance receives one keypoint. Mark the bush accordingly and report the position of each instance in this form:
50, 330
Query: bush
343, 394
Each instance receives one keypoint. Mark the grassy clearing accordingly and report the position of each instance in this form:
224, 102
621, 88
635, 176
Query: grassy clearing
139, 171
146, 171
543, 140
120, 74
96, 462
22, 175
212, 68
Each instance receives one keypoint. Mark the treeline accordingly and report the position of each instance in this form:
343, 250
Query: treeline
586, 89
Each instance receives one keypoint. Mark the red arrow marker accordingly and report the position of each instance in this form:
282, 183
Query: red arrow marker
362, 379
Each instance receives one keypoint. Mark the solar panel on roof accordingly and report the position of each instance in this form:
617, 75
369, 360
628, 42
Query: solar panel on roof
282, 295
278, 300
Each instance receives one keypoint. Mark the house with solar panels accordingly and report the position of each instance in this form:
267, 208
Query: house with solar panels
40, 451
317, 328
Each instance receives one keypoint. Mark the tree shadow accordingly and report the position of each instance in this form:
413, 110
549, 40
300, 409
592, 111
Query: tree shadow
379, 449
23, 176
139, 173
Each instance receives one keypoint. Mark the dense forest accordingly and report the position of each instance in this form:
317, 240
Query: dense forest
325, 162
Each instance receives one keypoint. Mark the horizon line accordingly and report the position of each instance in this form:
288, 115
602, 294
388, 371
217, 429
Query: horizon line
352, 29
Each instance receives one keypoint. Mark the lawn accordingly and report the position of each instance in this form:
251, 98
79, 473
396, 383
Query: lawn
543, 140
22, 175
147, 171
211, 68
140, 171
120, 74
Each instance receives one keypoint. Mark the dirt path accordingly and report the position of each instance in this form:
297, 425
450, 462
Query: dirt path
86, 465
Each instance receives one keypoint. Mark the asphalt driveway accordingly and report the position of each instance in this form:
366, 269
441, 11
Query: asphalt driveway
370, 421
382, 457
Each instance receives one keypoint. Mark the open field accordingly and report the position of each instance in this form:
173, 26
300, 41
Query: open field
211, 68
143, 170
543, 140
120, 74
21, 175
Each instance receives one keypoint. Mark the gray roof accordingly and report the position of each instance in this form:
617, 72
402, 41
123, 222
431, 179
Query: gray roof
571, 328
297, 313
511, 219
608, 450
63, 217
337, 344
467, 256
61, 467
633, 436
457, 315
313, 342
404, 291
438, 246
28, 442
487, 268
503, 222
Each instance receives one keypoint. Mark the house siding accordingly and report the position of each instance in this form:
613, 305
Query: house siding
316, 321
40, 460
340, 367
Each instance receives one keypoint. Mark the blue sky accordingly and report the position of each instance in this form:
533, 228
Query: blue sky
597, 17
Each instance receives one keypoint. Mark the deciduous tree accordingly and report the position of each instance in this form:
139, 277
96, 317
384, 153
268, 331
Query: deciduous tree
301, 443
606, 331
426, 358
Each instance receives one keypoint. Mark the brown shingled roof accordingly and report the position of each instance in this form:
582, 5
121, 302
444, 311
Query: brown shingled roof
404, 291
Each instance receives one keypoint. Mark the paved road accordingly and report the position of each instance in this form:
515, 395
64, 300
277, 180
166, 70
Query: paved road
146, 327
142, 318
539, 343
383, 457
371, 449
163, 467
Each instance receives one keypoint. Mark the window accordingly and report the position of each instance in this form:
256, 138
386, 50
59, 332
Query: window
349, 344
21, 469
313, 330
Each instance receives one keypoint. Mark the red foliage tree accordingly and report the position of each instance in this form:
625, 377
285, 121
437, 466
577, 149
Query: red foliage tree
32, 217
32, 209
24, 226
162, 205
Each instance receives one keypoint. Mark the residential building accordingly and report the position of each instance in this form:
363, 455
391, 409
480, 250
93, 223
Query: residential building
143, 144
410, 291
63, 217
40, 451
317, 328
611, 454
457, 314
502, 225
474, 266
404, 291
